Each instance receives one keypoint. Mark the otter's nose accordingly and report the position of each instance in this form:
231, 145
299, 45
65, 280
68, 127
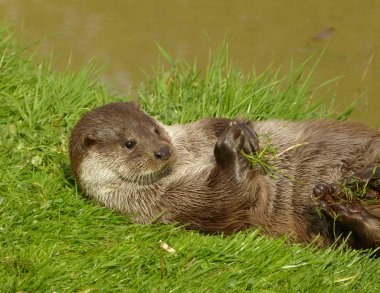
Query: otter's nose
163, 153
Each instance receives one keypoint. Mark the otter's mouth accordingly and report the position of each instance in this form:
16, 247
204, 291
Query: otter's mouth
150, 177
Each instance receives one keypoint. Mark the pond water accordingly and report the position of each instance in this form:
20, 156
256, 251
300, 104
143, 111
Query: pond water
123, 35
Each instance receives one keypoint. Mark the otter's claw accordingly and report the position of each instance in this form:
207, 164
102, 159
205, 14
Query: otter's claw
249, 143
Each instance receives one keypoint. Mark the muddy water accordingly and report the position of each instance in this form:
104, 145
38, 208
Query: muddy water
123, 35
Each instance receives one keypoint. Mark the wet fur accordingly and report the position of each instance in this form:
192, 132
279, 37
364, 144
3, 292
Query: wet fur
206, 194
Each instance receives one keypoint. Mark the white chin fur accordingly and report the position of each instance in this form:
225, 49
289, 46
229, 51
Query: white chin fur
93, 172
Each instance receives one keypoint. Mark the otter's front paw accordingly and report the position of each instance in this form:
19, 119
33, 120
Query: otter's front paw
236, 138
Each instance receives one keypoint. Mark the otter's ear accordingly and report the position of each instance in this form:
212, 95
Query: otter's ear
89, 140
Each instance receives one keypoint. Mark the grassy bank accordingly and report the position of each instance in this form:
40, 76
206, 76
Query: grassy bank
52, 239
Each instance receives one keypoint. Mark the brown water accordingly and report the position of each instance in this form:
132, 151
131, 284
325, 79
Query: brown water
123, 35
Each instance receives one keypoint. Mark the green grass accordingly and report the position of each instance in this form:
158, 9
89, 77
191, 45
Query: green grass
53, 239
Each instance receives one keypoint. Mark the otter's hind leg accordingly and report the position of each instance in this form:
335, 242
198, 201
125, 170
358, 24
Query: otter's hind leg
350, 215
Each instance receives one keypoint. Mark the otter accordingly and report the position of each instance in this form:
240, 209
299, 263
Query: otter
198, 174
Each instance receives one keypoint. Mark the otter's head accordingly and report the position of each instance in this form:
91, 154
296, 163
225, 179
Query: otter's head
119, 142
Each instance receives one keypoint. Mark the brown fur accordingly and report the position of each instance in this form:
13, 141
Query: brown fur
207, 184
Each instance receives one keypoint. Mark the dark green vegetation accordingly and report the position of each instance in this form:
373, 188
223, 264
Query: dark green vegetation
53, 239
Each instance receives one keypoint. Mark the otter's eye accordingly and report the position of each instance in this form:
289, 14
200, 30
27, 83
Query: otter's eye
156, 130
129, 144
